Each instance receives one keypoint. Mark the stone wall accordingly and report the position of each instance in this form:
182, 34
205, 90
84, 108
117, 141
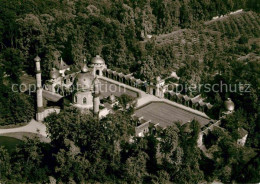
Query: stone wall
47, 111
108, 88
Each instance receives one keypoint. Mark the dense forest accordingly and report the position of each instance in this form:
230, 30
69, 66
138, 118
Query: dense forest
184, 39
77, 30
85, 150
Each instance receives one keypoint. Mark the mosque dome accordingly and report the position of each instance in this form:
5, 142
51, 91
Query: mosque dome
84, 79
97, 60
54, 73
229, 105
84, 68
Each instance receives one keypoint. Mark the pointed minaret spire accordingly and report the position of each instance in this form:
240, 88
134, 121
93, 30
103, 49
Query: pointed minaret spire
84, 68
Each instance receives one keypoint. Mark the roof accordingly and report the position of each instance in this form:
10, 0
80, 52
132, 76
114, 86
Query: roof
242, 132
229, 105
109, 71
53, 97
186, 98
37, 59
128, 76
138, 81
158, 78
112, 98
54, 73
60, 64
202, 103
179, 95
133, 79
172, 93
209, 106
196, 99
84, 68
174, 74
97, 60
84, 80
120, 74
114, 72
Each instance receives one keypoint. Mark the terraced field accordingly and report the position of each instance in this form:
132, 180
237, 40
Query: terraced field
246, 23
217, 36
191, 43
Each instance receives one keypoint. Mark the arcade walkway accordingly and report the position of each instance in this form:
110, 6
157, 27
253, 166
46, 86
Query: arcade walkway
161, 110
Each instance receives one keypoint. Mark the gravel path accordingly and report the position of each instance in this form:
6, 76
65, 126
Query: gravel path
32, 127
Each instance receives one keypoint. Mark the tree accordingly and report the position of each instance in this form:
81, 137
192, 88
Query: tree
147, 70
126, 101
5, 165
13, 61
169, 141
27, 162
15, 107
135, 168
71, 166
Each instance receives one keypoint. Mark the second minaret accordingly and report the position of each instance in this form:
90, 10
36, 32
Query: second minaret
40, 109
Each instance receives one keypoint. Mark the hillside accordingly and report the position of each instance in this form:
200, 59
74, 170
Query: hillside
173, 50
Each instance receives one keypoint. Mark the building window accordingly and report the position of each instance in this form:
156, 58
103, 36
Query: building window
65, 81
84, 100
154, 92
97, 72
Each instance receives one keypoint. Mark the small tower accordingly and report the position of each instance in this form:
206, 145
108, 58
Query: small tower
40, 109
96, 101
229, 106
157, 91
98, 65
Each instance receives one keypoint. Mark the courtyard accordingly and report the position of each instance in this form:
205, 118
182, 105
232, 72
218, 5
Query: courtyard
165, 114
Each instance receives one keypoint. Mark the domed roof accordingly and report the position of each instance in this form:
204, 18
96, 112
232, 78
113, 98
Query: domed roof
229, 105
37, 59
112, 98
84, 81
54, 73
97, 60
84, 68
158, 78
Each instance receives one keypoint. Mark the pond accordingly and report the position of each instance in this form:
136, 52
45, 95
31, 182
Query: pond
9, 143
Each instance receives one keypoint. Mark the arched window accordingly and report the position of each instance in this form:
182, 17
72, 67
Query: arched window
154, 91
75, 99
97, 72
71, 79
65, 81
84, 100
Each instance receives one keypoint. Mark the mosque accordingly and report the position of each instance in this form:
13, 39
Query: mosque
83, 85
158, 106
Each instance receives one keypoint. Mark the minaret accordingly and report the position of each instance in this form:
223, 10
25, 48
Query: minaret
39, 115
96, 101
157, 90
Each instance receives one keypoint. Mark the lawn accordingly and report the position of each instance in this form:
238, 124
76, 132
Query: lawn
9, 143
165, 114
